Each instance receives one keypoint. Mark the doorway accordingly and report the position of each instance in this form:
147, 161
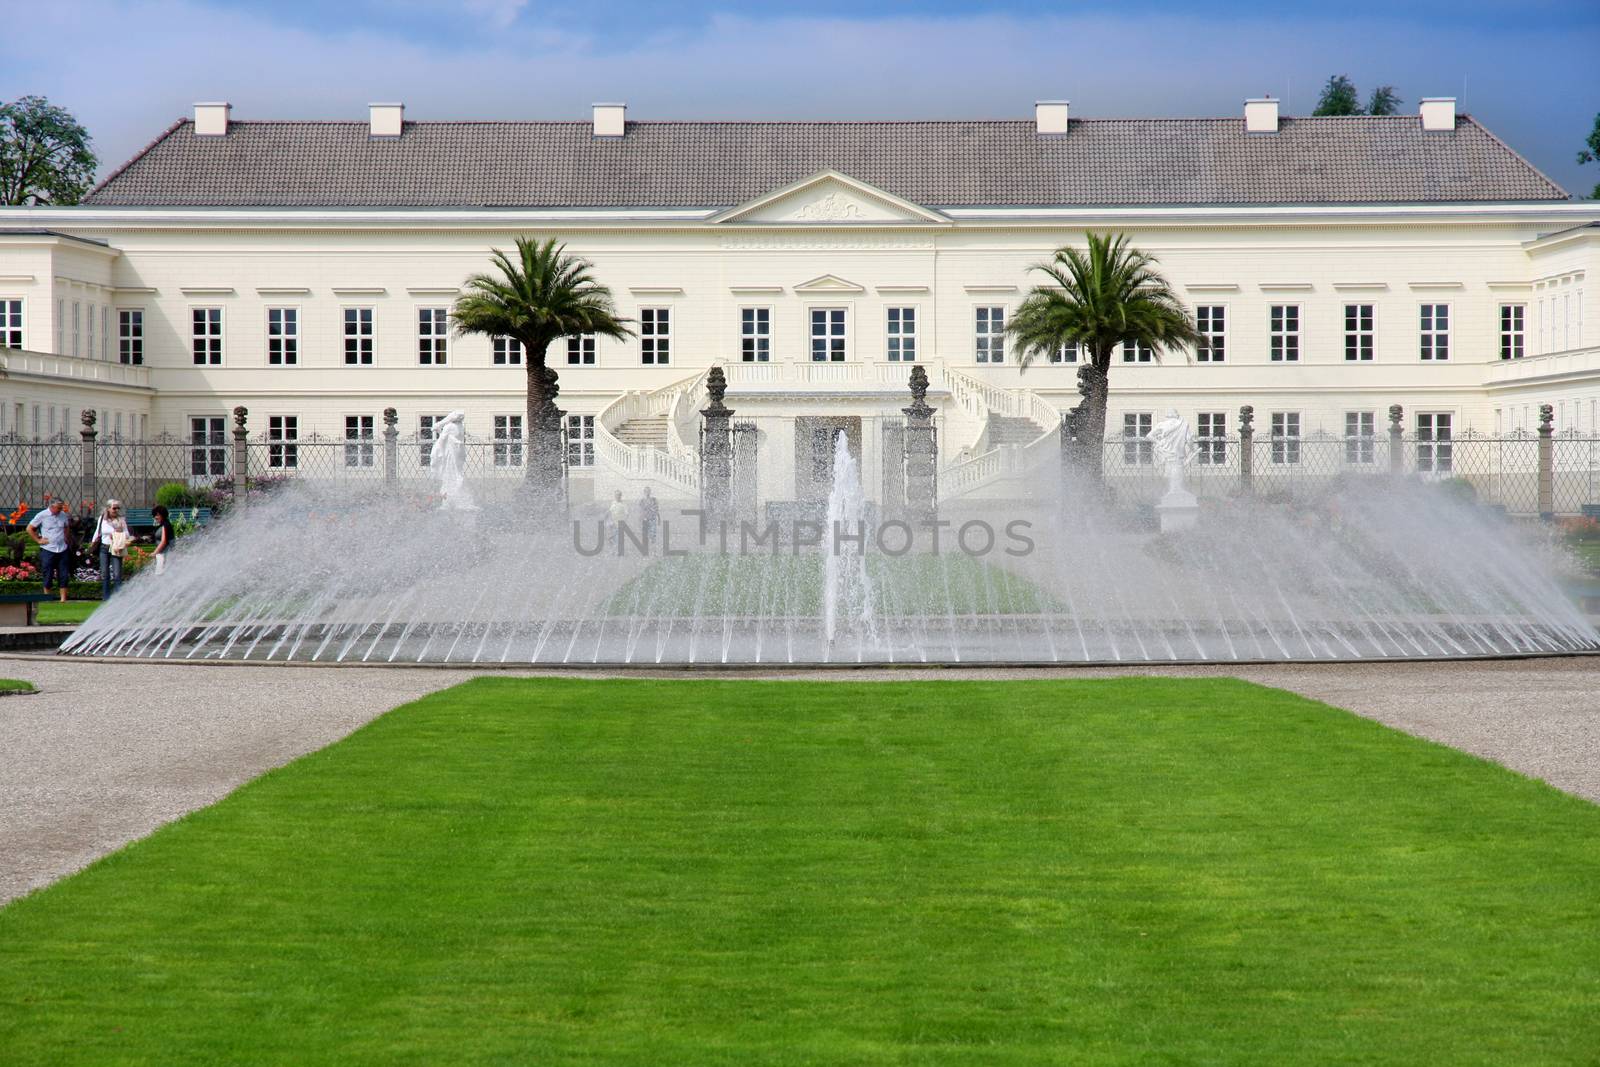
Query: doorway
813, 452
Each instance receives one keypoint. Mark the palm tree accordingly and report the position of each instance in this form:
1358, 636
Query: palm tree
539, 296
1095, 300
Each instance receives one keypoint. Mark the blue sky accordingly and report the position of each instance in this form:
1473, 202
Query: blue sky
127, 68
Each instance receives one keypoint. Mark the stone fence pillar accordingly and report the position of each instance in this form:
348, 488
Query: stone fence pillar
716, 448
88, 487
1547, 476
1397, 445
1247, 448
391, 445
241, 458
920, 445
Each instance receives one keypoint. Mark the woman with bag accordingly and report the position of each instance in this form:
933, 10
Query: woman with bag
111, 534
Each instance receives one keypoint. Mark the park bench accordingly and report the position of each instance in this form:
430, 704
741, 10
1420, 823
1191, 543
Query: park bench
142, 519
21, 609
1590, 511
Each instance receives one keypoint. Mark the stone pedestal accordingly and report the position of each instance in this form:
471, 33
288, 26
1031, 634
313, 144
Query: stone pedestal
716, 447
1178, 510
920, 451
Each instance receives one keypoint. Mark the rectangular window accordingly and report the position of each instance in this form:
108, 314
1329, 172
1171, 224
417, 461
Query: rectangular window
1285, 333
1136, 451
207, 336
1511, 331
1211, 432
755, 335
130, 335
105, 331
655, 336
1435, 331
77, 326
1286, 437
208, 447
61, 326
358, 337
580, 350
88, 325
10, 323
1212, 322
358, 448
1137, 352
1435, 452
282, 431
991, 334
1360, 431
828, 341
508, 352
425, 425
433, 331
1064, 354
283, 337
508, 440
1358, 332
580, 440
901, 336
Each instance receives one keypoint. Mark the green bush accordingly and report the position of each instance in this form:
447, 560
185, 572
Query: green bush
176, 495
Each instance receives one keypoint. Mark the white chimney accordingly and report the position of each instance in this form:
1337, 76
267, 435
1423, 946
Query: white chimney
211, 120
610, 120
1050, 116
1438, 113
385, 120
1261, 115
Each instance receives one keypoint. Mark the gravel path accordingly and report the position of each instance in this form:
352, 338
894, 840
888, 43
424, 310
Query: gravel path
108, 752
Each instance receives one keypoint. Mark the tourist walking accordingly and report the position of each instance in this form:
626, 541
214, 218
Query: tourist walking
650, 517
164, 536
111, 534
49, 531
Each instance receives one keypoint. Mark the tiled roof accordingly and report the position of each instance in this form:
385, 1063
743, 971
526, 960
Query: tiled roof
720, 164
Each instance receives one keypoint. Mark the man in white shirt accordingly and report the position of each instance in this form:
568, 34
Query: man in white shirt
49, 531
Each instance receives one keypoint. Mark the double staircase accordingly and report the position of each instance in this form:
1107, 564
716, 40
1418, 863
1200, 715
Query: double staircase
1016, 428
649, 437
648, 431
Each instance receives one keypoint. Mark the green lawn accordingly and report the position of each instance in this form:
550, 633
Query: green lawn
702, 872
55, 613
12, 685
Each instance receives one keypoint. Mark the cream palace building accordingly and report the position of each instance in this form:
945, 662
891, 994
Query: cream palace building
304, 269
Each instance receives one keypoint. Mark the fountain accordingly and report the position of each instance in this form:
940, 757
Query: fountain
1367, 567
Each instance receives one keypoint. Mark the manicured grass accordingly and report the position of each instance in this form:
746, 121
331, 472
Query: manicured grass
55, 613
788, 584
701, 872
13, 685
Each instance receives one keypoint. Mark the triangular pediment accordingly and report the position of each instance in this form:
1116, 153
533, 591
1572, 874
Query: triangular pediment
830, 199
829, 283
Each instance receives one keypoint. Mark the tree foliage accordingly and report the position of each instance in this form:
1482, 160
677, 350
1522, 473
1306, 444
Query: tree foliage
1340, 97
1591, 152
1385, 100
537, 296
1096, 299
45, 156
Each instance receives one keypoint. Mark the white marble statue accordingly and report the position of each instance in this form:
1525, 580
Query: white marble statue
448, 461
1175, 448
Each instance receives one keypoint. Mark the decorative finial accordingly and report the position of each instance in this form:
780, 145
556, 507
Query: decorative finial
716, 389
390, 417
87, 417
1547, 415
1247, 416
1396, 413
240, 413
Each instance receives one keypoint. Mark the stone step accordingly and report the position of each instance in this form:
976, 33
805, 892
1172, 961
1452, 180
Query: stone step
644, 433
1010, 430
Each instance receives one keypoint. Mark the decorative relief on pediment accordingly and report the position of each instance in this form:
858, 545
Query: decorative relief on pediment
830, 208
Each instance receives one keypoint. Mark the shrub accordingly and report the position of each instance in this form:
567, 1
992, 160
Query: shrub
1580, 529
178, 495
1459, 489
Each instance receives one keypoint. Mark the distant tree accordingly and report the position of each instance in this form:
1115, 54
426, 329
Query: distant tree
1591, 154
44, 154
536, 295
1384, 101
1096, 299
1338, 97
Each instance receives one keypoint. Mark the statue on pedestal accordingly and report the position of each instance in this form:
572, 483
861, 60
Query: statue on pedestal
1174, 448
448, 461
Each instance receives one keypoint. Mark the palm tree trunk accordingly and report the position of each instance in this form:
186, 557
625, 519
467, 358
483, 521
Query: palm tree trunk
545, 468
1083, 429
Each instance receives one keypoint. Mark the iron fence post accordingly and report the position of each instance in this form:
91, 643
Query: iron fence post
1247, 447
89, 486
1547, 480
391, 445
241, 458
1397, 448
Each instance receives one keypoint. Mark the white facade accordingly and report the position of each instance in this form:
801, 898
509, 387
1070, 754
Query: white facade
874, 271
